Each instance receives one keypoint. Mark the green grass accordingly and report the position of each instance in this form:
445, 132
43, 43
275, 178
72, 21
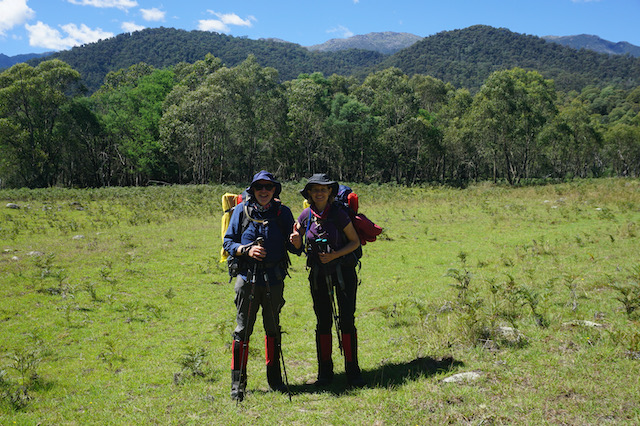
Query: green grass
114, 309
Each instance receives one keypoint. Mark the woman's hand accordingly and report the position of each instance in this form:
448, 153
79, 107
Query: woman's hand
354, 243
328, 257
295, 238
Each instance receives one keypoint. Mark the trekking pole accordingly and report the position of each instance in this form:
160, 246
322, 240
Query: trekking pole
243, 354
273, 318
324, 246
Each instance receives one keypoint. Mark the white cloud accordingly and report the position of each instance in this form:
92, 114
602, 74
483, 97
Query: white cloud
85, 34
119, 4
42, 35
131, 27
14, 12
213, 25
224, 22
344, 31
154, 14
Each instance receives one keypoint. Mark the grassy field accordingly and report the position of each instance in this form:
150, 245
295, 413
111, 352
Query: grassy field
114, 309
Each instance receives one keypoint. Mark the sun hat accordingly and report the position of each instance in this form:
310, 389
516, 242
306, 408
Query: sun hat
265, 175
320, 179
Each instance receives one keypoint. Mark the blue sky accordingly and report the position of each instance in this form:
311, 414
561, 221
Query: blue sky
34, 26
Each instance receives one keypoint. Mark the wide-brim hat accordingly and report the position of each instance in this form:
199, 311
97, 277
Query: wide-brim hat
265, 175
320, 179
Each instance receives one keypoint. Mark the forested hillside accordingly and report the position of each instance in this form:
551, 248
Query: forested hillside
165, 47
206, 122
7, 61
467, 57
387, 42
460, 106
464, 58
595, 43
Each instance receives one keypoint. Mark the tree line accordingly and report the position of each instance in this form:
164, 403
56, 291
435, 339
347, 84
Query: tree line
466, 58
165, 47
207, 123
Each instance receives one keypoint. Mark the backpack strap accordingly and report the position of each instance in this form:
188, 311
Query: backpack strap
304, 242
245, 220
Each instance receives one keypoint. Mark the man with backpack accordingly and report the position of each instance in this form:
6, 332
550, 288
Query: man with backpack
332, 247
257, 241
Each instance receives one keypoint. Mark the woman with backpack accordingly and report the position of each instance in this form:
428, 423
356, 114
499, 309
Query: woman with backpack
331, 241
257, 241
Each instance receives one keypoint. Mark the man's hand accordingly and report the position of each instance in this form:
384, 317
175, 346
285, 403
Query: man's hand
257, 252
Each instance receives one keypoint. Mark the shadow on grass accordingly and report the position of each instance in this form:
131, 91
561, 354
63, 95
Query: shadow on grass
386, 375
398, 374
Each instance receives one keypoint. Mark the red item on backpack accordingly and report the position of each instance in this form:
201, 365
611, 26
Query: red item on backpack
352, 201
366, 229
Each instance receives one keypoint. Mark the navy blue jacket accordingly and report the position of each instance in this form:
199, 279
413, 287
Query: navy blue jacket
276, 240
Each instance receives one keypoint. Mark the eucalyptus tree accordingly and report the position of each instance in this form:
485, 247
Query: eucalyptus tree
88, 161
353, 129
508, 114
460, 161
193, 133
390, 96
192, 75
130, 106
572, 143
221, 124
32, 108
340, 83
432, 94
393, 102
623, 148
125, 77
256, 115
309, 107
633, 99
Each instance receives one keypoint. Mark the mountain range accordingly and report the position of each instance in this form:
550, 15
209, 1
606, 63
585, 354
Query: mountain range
389, 42
463, 57
7, 61
595, 43
386, 42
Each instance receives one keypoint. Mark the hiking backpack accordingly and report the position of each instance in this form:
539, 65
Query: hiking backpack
229, 204
347, 200
365, 228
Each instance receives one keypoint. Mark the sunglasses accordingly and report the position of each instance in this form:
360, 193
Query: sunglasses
267, 186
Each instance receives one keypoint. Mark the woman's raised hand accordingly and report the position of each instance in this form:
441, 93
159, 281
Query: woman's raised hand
295, 238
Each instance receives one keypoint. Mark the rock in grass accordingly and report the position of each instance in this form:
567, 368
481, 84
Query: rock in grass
12, 206
582, 323
468, 376
510, 334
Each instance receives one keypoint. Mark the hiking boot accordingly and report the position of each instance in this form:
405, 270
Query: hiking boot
354, 375
274, 378
239, 350
272, 360
325, 373
325, 363
238, 384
